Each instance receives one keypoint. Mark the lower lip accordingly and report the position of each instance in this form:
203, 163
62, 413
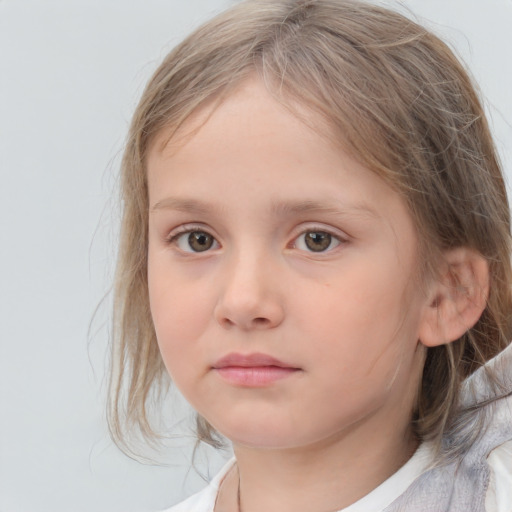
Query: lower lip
255, 376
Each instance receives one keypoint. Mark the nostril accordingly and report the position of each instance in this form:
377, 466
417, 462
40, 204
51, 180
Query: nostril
261, 321
226, 322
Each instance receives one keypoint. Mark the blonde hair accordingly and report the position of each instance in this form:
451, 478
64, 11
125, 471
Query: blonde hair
400, 102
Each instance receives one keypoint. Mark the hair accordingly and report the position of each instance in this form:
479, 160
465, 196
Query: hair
398, 100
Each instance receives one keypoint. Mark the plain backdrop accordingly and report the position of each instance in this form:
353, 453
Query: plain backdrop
71, 72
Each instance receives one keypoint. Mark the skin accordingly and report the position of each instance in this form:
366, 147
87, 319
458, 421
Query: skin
349, 318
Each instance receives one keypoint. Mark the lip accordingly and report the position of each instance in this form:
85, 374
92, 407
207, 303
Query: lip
253, 370
249, 360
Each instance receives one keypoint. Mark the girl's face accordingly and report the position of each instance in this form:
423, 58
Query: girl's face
282, 279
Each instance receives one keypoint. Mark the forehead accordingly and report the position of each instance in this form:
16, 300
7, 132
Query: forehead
251, 138
246, 101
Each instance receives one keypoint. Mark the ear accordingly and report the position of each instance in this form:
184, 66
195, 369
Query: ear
456, 299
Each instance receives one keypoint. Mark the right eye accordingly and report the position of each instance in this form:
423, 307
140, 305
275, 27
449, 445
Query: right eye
194, 241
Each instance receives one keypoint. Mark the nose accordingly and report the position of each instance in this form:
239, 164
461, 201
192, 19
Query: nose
249, 297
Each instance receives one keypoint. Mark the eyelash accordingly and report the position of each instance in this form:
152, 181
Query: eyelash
334, 240
174, 239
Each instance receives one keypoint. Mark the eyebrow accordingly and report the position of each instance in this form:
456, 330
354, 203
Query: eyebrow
280, 208
331, 207
184, 205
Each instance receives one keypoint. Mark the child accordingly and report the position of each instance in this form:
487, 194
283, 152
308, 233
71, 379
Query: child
315, 245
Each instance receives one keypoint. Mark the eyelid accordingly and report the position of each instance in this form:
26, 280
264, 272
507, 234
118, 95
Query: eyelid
340, 236
173, 236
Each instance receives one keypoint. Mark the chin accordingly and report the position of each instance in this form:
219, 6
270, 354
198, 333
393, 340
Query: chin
270, 437
264, 442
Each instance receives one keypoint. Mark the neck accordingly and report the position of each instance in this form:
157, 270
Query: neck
323, 478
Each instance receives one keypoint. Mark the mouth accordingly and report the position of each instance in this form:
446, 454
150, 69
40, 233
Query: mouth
253, 370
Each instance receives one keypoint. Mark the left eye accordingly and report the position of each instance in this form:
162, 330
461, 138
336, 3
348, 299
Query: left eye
316, 241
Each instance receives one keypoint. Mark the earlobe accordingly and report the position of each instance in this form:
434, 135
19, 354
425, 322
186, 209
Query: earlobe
457, 298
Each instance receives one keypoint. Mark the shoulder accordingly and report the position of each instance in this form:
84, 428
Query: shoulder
498, 432
499, 491
497, 438
204, 500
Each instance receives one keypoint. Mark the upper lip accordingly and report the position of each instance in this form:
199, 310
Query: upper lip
249, 361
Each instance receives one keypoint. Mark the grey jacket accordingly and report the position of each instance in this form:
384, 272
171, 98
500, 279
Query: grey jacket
461, 485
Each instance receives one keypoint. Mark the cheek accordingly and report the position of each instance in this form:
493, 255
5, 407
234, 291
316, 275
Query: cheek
180, 313
353, 304
177, 325
175, 315
361, 324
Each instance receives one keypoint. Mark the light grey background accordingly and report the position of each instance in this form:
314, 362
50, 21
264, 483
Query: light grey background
71, 72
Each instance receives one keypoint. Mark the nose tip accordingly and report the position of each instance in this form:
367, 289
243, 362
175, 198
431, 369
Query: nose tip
249, 301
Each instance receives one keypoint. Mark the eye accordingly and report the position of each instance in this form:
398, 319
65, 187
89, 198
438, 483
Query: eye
194, 241
316, 241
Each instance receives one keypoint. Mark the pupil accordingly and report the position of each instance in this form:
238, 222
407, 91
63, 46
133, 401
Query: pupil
318, 241
200, 241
